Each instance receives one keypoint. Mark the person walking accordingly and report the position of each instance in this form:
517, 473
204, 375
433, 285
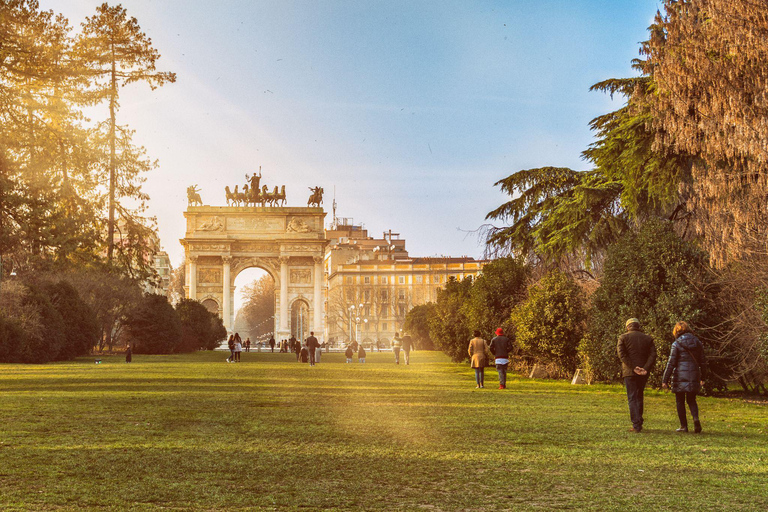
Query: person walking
638, 355
361, 354
478, 348
248, 344
349, 353
295, 346
312, 346
686, 367
407, 346
128, 353
500, 347
231, 346
238, 347
397, 343
272, 343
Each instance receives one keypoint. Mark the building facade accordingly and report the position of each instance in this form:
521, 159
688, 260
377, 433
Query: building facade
372, 283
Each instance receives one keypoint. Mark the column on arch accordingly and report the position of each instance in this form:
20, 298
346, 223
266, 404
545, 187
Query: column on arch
226, 285
283, 293
318, 296
193, 277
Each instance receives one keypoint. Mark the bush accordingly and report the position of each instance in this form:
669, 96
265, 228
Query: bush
494, 294
550, 324
417, 325
200, 329
449, 327
81, 328
153, 326
654, 276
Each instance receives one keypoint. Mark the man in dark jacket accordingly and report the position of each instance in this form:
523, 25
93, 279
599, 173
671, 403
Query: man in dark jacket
312, 345
272, 343
500, 348
407, 346
638, 355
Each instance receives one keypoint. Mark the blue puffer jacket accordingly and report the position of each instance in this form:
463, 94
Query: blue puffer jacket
686, 367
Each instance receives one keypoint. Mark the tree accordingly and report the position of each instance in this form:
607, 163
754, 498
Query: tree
707, 62
449, 328
550, 324
258, 310
417, 324
153, 326
200, 329
495, 293
119, 53
81, 328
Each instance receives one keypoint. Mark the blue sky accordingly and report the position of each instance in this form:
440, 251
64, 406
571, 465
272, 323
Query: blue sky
410, 110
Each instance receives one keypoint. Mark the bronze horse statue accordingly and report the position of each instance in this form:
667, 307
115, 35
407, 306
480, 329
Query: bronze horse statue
193, 197
316, 198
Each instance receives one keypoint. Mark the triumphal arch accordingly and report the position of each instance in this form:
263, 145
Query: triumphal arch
287, 242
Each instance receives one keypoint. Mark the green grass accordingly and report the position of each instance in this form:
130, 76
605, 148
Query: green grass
195, 433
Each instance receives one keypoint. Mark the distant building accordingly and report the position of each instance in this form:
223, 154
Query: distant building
373, 282
161, 263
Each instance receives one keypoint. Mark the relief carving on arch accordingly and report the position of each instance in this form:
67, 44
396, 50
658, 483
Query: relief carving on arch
301, 276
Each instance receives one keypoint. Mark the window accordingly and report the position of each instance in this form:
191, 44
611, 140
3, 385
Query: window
383, 279
419, 279
401, 309
383, 310
384, 326
436, 279
367, 294
401, 279
350, 280
367, 280
383, 294
401, 294
367, 310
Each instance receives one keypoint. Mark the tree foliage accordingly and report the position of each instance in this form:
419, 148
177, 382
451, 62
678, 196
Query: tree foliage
657, 277
200, 329
153, 326
495, 293
449, 328
550, 324
707, 60
258, 309
417, 322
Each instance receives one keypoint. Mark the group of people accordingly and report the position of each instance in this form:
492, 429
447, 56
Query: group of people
235, 345
684, 373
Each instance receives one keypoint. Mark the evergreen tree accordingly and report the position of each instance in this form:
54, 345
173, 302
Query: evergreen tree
449, 328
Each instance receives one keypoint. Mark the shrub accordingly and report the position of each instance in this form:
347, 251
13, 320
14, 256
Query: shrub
654, 276
551, 322
200, 329
153, 326
494, 294
449, 327
81, 328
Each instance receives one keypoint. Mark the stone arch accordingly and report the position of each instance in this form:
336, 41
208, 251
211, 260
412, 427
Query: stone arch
211, 304
300, 318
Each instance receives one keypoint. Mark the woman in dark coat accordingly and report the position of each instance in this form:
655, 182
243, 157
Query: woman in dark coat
687, 367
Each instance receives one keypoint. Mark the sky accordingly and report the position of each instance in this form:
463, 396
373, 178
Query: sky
407, 111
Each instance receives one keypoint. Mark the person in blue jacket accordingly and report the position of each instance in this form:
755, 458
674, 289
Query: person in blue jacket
687, 367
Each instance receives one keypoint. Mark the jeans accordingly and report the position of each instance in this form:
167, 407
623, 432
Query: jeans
480, 376
502, 369
680, 399
396, 350
635, 387
311, 357
407, 354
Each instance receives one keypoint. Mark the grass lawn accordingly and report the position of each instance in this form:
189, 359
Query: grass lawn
192, 432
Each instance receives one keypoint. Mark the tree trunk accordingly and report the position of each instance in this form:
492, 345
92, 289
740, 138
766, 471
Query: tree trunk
112, 163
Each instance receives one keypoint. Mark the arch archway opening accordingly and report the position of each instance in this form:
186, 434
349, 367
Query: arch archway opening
254, 304
300, 319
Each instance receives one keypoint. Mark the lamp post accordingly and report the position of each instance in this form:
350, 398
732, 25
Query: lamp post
351, 312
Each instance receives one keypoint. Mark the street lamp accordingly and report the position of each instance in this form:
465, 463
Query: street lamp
351, 312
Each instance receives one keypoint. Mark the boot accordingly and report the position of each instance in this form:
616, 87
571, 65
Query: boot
697, 426
682, 429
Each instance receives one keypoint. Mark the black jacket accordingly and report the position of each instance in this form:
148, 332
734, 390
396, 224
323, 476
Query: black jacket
501, 347
687, 364
635, 348
312, 343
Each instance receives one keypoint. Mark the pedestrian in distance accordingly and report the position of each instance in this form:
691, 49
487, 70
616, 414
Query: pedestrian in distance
408, 345
128, 353
349, 353
637, 353
686, 367
303, 354
312, 347
295, 346
272, 343
361, 354
500, 347
248, 344
238, 347
478, 348
397, 344
231, 346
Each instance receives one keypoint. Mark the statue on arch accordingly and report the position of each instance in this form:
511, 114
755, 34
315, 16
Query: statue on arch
193, 196
316, 198
254, 180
